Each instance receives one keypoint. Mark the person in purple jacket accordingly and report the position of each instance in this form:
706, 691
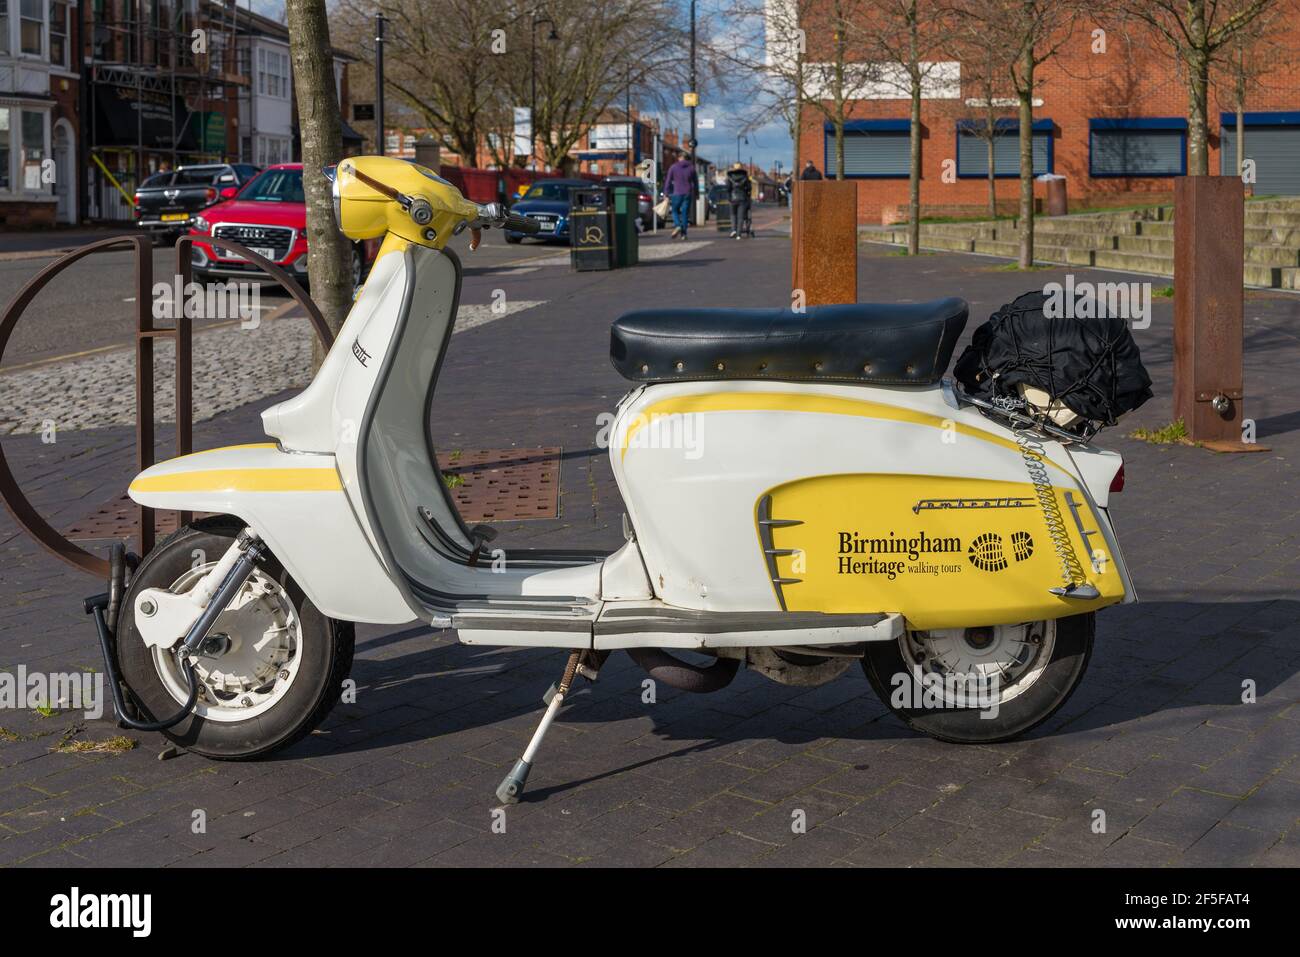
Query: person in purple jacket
680, 186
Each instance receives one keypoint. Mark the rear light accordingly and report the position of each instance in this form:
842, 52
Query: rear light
644, 197
212, 194
1117, 483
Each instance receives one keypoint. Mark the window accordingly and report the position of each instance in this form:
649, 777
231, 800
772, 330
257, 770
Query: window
872, 148
272, 150
973, 148
1137, 147
31, 27
33, 147
272, 73
59, 33
4, 30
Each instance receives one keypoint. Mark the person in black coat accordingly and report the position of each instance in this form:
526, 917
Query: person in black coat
740, 190
810, 171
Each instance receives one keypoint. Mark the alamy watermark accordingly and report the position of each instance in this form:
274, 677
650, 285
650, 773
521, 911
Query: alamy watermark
39, 691
1130, 301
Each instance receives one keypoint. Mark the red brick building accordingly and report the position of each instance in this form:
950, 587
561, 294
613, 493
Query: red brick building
1113, 122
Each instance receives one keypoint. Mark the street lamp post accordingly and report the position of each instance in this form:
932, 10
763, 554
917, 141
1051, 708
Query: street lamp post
380, 138
532, 101
694, 91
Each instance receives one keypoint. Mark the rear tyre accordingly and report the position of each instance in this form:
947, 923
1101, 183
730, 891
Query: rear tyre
279, 675
981, 685
514, 239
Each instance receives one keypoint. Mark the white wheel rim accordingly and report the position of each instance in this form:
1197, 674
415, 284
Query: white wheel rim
1008, 663
264, 655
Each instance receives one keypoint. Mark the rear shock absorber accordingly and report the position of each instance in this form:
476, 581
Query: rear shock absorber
1074, 582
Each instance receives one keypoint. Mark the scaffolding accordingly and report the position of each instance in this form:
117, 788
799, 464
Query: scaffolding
162, 88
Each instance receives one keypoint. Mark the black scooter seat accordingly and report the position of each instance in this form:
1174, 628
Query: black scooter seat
868, 343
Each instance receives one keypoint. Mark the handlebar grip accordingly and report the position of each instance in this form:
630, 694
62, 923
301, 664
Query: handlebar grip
522, 224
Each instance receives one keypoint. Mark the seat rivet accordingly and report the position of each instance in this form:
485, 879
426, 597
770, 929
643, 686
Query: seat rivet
817, 366
681, 366
867, 367
721, 367
911, 369
645, 368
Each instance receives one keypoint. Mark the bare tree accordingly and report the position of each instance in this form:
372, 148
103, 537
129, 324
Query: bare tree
438, 58
908, 39
1031, 32
319, 123
1200, 34
985, 73
1259, 50
818, 53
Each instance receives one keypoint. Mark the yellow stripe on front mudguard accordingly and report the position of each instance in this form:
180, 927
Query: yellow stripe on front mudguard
241, 480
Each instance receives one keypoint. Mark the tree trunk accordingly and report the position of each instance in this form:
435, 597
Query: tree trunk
839, 149
329, 254
1027, 159
1241, 139
914, 174
1198, 84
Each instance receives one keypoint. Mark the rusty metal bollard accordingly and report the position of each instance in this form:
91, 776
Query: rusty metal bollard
824, 241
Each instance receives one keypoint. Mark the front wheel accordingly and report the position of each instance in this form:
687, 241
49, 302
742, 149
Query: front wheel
981, 685
273, 665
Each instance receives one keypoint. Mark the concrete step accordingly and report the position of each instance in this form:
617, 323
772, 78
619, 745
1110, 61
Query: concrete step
1269, 277
1134, 262
1264, 254
1088, 224
1080, 240
1268, 217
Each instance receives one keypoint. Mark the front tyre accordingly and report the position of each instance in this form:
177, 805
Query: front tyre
981, 685
274, 664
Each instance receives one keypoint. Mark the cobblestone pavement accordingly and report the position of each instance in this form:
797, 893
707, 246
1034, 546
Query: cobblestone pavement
1157, 736
238, 363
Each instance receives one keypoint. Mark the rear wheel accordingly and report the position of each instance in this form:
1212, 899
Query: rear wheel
273, 666
514, 239
981, 685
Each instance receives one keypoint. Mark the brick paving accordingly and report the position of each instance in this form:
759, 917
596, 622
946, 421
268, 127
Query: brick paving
1157, 737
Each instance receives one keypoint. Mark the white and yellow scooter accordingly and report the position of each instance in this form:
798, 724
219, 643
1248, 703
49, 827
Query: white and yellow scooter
801, 490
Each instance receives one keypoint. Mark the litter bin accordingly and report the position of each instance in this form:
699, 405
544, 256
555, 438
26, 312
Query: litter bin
591, 228
626, 213
722, 209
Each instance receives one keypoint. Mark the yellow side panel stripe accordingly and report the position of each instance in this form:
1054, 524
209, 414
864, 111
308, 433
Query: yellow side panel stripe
799, 402
243, 480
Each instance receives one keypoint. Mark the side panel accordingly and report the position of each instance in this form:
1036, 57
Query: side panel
947, 552
695, 460
297, 504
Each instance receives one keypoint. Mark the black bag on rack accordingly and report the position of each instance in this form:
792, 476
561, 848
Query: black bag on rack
1092, 366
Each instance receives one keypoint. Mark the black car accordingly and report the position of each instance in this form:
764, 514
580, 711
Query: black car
165, 203
645, 203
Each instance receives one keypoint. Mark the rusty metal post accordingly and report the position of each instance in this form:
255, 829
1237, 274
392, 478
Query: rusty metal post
184, 385
144, 392
1209, 251
824, 241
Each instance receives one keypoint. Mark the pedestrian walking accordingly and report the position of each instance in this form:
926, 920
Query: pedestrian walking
680, 186
810, 171
740, 190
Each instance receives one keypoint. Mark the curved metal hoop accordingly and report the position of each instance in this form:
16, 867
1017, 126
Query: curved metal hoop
17, 504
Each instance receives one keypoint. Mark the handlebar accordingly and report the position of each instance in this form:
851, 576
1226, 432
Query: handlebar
522, 224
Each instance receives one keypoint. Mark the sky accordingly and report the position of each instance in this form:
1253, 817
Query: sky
766, 145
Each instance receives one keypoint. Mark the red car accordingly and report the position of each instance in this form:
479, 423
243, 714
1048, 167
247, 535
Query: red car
269, 216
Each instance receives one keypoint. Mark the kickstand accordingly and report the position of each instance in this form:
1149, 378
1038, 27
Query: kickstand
513, 784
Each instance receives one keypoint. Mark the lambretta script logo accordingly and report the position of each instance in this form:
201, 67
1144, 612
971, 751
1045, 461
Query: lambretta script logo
75, 910
909, 551
362, 355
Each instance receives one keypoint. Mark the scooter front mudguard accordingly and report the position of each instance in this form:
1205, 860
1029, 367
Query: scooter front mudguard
297, 503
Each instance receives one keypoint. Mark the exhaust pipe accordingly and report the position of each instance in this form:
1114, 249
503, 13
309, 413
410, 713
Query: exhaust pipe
682, 675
